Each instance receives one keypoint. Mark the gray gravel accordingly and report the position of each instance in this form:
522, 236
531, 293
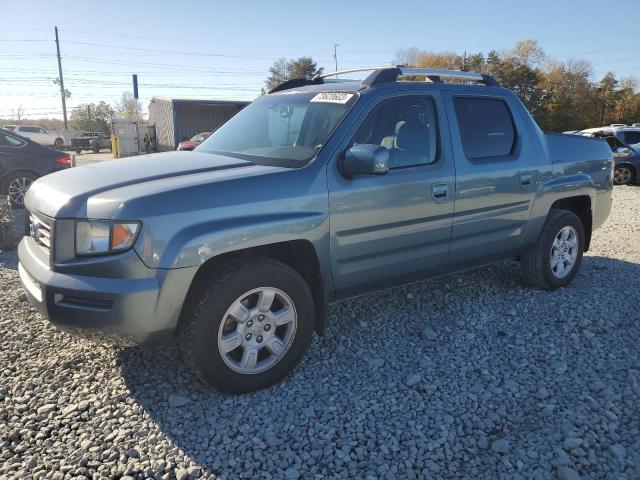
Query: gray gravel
469, 376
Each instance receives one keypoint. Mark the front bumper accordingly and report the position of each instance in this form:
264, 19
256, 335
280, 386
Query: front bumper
124, 311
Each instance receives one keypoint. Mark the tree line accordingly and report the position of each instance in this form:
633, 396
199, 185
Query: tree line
560, 95
90, 117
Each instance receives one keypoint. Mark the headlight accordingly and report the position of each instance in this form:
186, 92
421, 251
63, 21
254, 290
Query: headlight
100, 237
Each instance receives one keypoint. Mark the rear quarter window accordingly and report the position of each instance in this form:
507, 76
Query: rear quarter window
486, 126
9, 141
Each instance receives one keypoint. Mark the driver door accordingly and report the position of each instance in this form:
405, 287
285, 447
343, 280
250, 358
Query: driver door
393, 228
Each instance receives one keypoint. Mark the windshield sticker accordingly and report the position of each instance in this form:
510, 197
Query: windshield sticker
332, 97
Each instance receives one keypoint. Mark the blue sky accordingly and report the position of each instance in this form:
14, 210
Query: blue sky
224, 49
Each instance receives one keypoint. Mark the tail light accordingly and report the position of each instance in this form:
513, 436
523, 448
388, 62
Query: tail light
64, 160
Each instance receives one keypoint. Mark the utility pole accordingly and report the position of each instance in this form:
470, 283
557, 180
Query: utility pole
63, 93
335, 54
464, 62
89, 117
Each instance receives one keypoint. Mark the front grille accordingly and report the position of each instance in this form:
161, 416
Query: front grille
41, 231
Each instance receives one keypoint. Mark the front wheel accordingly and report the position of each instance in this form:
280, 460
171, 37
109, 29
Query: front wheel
555, 258
58, 144
248, 327
623, 175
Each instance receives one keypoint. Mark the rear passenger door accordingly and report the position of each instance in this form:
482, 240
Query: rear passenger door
496, 177
386, 229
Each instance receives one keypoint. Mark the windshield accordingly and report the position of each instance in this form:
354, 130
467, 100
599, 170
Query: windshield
284, 129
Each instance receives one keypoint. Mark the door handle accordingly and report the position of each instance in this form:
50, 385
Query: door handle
439, 192
526, 179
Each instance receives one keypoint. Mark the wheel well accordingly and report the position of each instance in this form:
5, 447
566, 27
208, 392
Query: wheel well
581, 206
298, 254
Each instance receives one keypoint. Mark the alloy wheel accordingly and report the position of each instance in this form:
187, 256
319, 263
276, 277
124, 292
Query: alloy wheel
622, 175
18, 188
257, 330
564, 252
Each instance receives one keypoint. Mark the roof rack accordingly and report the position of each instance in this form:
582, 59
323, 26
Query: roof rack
380, 75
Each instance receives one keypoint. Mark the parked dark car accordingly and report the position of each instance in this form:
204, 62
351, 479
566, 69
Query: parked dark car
91, 141
626, 161
194, 141
22, 161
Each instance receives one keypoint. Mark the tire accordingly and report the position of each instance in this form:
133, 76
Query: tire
624, 175
96, 147
207, 325
78, 151
58, 144
16, 185
538, 262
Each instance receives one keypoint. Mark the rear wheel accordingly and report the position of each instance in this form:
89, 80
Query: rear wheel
248, 327
623, 175
555, 258
96, 147
16, 186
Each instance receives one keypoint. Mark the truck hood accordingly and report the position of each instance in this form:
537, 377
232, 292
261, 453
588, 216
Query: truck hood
99, 190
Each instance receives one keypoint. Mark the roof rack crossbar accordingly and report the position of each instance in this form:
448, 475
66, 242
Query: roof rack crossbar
294, 83
380, 75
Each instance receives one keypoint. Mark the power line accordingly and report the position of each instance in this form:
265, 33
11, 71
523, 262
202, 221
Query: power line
206, 54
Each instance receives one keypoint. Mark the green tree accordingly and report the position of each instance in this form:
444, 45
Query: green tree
514, 72
283, 70
128, 107
607, 97
627, 106
92, 117
560, 95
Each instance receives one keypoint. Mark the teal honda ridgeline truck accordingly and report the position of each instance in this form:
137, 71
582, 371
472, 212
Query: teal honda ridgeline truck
318, 191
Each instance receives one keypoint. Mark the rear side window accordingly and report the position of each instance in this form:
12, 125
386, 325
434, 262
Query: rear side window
29, 129
7, 141
630, 137
485, 126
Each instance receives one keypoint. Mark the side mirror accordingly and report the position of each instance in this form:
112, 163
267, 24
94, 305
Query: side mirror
365, 159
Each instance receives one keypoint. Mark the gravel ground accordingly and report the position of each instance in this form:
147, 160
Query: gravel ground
468, 376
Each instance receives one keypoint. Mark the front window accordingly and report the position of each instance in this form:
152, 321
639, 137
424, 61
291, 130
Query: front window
406, 127
286, 129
